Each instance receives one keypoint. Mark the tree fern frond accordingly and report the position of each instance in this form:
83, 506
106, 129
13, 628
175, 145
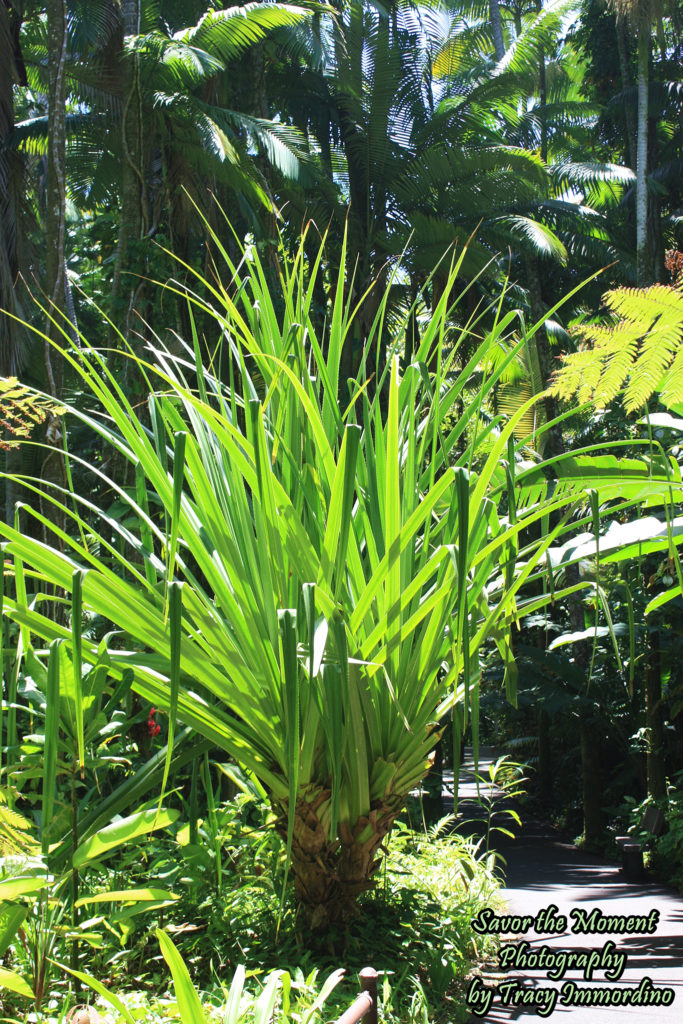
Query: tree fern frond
15, 831
640, 351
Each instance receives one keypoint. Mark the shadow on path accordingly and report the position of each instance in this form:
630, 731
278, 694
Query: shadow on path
543, 870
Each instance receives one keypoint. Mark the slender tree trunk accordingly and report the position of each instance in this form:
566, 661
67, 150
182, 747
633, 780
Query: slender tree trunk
656, 240
517, 16
591, 778
643, 269
12, 73
432, 786
656, 769
350, 59
661, 38
497, 27
52, 471
13, 340
544, 774
367, 169
589, 739
131, 225
542, 96
622, 47
56, 183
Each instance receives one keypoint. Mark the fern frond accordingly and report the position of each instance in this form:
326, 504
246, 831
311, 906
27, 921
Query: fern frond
15, 831
640, 351
21, 410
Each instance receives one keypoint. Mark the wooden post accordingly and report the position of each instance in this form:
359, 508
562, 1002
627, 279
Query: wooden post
364, 1006
368, 983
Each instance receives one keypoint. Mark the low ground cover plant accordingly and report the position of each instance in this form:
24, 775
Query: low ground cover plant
414, 928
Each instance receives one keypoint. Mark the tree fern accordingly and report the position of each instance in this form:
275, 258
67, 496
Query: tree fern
21, 410
640, 350
15, 831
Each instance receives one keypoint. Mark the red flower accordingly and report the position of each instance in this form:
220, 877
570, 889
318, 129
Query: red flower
152, 726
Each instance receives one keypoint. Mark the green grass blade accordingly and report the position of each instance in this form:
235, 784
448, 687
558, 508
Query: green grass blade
175, 604
51, 744
190, 1008
76, 627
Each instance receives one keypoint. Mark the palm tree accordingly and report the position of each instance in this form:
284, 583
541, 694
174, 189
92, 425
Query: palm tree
153, 112
410, 119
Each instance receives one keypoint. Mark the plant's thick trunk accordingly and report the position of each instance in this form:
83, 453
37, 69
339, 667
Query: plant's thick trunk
656, 768
329, 876
497, 27
643, 269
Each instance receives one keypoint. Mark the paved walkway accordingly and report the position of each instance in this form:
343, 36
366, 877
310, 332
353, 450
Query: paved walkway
544, 871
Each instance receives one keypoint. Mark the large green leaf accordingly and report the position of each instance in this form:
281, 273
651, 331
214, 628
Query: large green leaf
190, 1008
15, 983
120, 832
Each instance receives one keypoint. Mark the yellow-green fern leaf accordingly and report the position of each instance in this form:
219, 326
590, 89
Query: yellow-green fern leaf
638, 351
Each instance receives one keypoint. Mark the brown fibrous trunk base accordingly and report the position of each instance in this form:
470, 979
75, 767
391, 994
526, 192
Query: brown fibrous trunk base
330, 875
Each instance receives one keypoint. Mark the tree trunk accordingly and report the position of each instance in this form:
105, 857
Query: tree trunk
131, 224
432, 800
656, 769
13, 339
589, 740
591, 778
643, 269
542, 96
544, 774
56, 186
329, 875
497, 27
539, 346
12, 72
52, 471
622, 47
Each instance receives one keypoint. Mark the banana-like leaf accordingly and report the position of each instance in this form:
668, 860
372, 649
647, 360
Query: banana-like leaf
120, 832
15, 983
128, 896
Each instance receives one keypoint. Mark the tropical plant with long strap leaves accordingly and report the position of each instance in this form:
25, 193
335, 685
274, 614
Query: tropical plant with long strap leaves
315, 564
